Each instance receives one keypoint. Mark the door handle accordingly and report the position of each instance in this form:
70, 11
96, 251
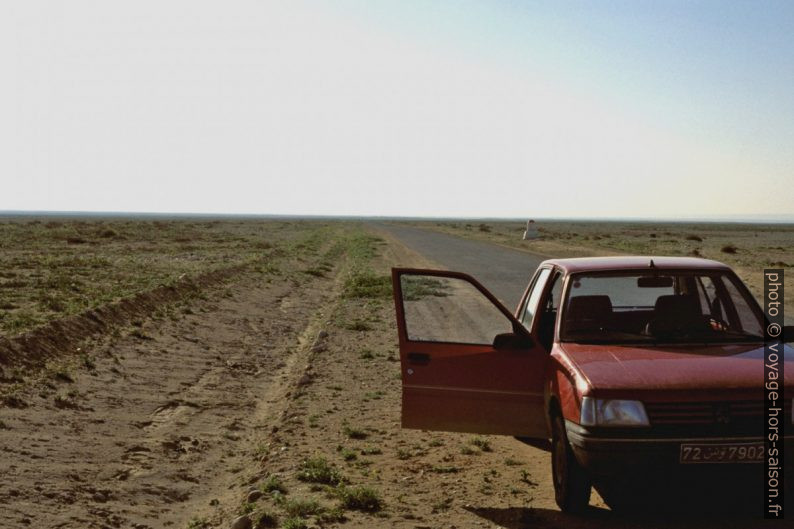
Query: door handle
419, 358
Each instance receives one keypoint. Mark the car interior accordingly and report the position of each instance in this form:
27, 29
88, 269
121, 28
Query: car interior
689, 308
671, 314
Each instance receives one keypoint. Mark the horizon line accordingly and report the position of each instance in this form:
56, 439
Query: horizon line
737, 219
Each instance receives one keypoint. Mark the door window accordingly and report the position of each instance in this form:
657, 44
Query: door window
709, 300
555, 295
452, 310
748, 320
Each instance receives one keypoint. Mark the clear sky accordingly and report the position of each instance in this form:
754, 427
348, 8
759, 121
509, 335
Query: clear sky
586, 109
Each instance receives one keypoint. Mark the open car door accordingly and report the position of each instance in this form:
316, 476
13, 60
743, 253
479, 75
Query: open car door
467, 364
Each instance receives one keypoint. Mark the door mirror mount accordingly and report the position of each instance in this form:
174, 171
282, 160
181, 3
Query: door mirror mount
512, 340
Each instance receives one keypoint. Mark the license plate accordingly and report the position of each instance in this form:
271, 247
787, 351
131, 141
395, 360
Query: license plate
722, 453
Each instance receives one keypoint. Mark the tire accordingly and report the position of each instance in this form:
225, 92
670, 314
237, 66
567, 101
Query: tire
572, 484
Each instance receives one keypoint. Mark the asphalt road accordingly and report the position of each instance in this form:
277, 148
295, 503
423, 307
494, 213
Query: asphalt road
503, 271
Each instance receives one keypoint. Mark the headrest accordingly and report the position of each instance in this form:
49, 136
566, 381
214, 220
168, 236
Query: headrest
676, 307
589, 307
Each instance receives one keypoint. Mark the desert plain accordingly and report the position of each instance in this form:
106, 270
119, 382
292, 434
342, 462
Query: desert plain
202, 373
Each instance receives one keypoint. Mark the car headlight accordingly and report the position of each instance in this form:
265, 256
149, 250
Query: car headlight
612, 412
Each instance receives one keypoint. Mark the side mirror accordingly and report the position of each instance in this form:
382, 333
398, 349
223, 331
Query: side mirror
788, 333
511, 340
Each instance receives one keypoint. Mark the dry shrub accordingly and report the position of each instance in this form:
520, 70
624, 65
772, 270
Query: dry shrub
729, 248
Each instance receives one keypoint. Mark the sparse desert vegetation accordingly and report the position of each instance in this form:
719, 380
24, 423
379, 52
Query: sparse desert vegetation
278, 277
60, 267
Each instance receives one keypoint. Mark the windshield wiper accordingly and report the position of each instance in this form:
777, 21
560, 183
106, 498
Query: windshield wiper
746, 335
711, 337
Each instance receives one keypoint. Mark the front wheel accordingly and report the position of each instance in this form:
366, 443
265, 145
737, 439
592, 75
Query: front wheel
572, 485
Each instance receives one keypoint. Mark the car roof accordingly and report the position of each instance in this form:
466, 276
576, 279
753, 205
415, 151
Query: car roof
633, 262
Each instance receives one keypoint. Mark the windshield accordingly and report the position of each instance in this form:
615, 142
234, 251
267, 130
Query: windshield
662, 307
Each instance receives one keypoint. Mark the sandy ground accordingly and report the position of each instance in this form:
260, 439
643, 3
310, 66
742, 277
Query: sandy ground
160, 425
186, 421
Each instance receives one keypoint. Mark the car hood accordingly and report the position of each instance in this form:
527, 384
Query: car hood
682, 367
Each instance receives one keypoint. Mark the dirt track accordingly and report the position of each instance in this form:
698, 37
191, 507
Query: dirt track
162, 422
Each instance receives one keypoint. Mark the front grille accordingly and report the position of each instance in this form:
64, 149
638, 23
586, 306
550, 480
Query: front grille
711, 418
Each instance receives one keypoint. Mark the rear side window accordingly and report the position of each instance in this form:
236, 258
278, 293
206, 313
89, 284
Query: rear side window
534, 297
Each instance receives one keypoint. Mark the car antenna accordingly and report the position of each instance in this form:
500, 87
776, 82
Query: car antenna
651, 265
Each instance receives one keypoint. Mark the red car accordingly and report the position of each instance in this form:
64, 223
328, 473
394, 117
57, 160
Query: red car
621, 365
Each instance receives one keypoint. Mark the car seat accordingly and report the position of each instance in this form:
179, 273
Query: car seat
675, 314
588, 313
